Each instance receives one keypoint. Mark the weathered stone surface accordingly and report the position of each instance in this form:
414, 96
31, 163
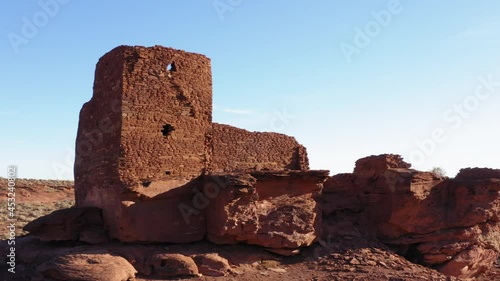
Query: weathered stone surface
271, 209
240, 150
146, 139
147, 125
372, 165
76, 267
172, 265
449, 224
329, 262
76, 224
212, 264
144, 121
470, 262
144, 216
478, 174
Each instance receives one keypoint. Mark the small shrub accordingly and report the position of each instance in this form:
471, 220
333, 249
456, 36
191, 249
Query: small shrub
438, 171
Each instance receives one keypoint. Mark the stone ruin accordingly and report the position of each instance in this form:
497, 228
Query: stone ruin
151, 166
148, 154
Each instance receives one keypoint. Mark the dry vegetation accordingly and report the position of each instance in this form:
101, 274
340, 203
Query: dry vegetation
34, 198
26, 212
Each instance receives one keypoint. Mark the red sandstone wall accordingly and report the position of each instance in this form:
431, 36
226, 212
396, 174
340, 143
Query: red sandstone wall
125, 160
120, 139
238, 150
99, 129
146, 136
155, 97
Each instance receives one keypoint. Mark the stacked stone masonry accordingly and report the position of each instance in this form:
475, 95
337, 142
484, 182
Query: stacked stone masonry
146, 140
240, 150
150, 158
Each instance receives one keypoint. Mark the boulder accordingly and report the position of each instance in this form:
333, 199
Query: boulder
212, 264
98, 267
273, 209
172, 265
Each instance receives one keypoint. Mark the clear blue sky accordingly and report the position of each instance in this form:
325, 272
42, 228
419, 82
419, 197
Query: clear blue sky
348, 79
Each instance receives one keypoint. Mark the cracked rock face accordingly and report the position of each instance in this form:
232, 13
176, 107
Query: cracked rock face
449, 224
277, 210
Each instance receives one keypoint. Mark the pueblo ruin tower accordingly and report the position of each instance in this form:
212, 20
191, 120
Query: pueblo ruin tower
150, 117
146, 139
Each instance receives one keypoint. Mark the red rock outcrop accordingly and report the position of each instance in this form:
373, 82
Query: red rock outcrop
449, 224
277, 210
146, 139
478, 174
149, 156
